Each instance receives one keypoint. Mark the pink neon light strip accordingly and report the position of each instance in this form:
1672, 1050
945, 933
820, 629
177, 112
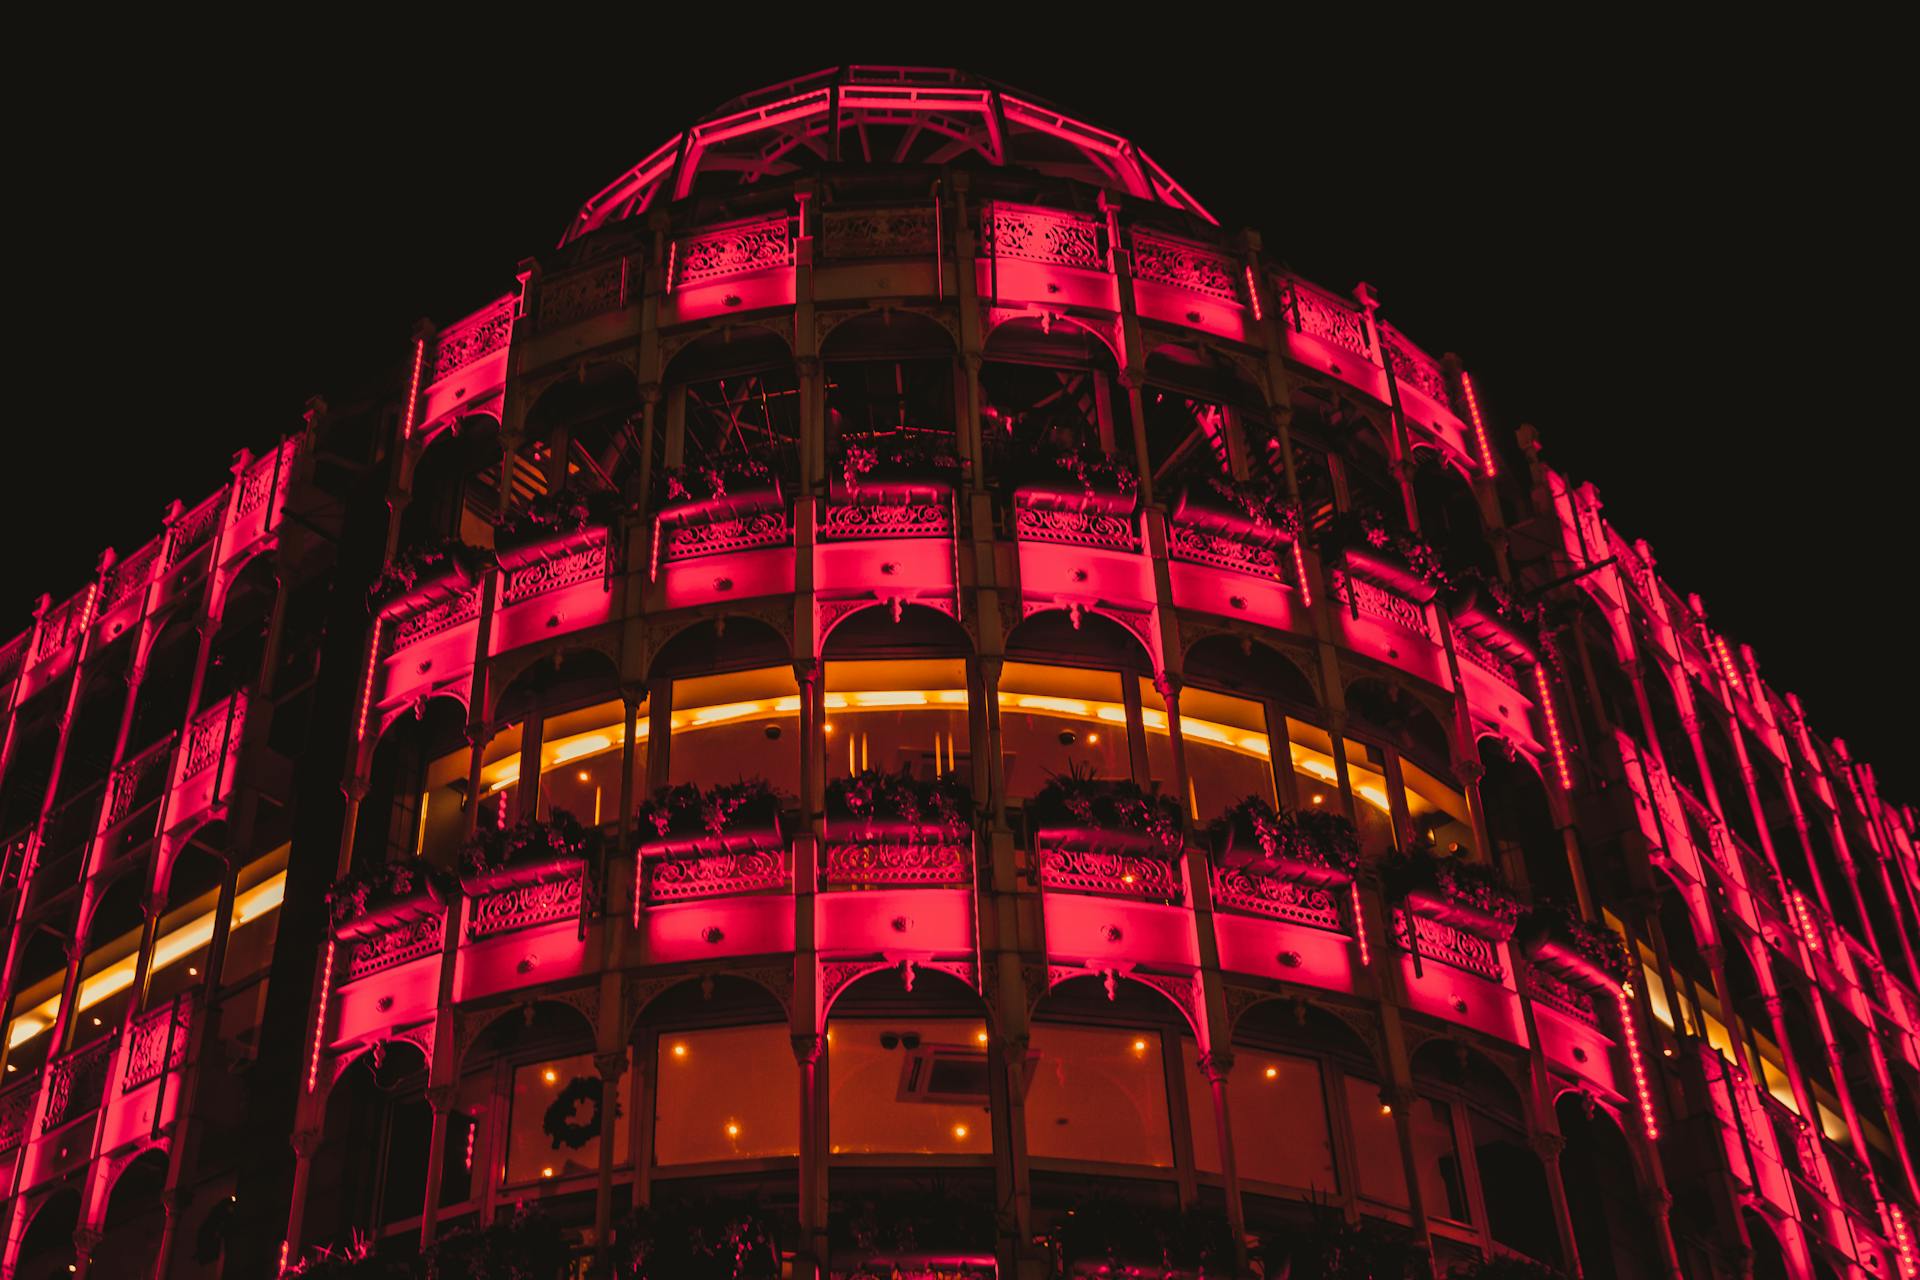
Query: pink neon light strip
1552, 717
1488, 463
1640, 1084
1359, 925
366, 685
1300, 574
320, 1019
1903, 1243
1253, 294
413, 388
639, 868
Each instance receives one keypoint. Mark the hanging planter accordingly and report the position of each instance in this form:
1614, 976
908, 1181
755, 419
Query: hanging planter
560, 520
371, 901
875, 806
1076, 810
1468, 894
1249, 511
1590, 954
904, 473
497, 858
440, 570
1481, 608
1310, 846
1093, 483
1359, 543
734, 817
733, 489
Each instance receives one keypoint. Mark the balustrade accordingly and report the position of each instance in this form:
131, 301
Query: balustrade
76, 1083
157, 1043
16, 1112
682, 877
1280, 897
1113, 872
737, 249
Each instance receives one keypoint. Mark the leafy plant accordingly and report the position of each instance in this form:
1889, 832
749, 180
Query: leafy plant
1366, 530
704, 1242
943, 804
1092, 470
1598, 945
1474, 885
1109, 804
424, 564
705, 481
1314, 837
930, 1219
1261, 499
558, 838
363, 888
528, 1246
565, 510
914, 454
1506, 1269
1329, 1247
354, 1260
687, 809
1123, 1235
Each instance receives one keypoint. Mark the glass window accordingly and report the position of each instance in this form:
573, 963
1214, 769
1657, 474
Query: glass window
894, 715
580, 756
728, 1094
1311, 749
1279, 1119
1229, 756
554, 1125
1437, 810
1376, 1143
740, 725
1310, 752
915, 1087
1443, 1189
1053, 719
1098, 1094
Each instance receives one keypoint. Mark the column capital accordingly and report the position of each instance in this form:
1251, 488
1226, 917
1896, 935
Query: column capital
807, 1049
611, 1066
1216, 1065
1168, 685
1547, 1145
440, 1098
305, 1143
86, 1240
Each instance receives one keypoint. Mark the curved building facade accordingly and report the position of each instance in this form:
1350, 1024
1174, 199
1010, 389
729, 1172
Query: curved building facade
921, 696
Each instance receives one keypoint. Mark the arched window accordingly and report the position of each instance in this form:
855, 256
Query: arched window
1044, 385
1520, 823
1676, 748
1611, 1227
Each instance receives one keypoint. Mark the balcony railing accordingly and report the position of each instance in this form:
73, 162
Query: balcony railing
131, 574
196, 528
682, 878
133, 782
76, 1083
1102, 529
1279, 897
1043, 235
536, 901
399, 943
472, 339
1149, 877
1184, 265
1365, 600
1322, 315
890, 864
16, 1112
738, 249
213, 735
1448, 943
157, 1042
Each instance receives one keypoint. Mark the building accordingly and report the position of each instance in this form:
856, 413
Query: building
915, 489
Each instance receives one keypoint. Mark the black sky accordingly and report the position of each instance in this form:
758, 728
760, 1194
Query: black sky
1681, 254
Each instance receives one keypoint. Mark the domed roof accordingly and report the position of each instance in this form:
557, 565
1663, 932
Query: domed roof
892, 115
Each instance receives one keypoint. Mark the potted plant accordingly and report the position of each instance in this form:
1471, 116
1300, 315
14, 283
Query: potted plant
1078, 479
1593, 954
878, 805
897, 471
1472, 895
726, 489
1111, 1237
354, 1260
731, 817
1328, 1247
1255, 510
1109, 815
450, 562
933, 1228
554, 516
369, 900
495, 858
1484, 609
1360, 543
1312, 846
695, 1242
529, 1245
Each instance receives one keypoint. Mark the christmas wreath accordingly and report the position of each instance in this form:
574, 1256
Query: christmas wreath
559, 1124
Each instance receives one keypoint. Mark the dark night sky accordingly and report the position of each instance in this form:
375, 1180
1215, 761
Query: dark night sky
1675, 252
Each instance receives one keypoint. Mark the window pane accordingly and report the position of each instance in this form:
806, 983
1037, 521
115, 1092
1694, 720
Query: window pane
1054, 718
1228, 753
1098, 1094
730, 1094
1438, 811
890, 715
1279, 1118
1376, 1144
1372, 811
580, 762
1442, 1190
914, 1087
555, 1128
741, 725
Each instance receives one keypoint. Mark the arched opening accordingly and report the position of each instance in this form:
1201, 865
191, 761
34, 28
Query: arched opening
890, 385
1835, 878
898, 694
1295, 1064
1520, 823
96, 723
1064, 697
134, 1218
1468, 1102
454, 489
563, 714
594, 422
1418, 750
43, 971
735, 705
735, 396
370, 1171
160, 704
1193, 405
1611, 1227
1676, 748
46, 1250
113, 934
233, 662
1769, 1261
1450, 514
1735, 806
399, 816
193, 889
1863, 1088
1364, 466
1400, 718
1245, 666
1046, 386
36, 736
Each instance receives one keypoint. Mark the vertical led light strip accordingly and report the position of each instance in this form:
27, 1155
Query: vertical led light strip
1487, 461
366, 684
1253, 294
639, 869
320, 1019
1300, 573
1640, 1085
285, 1247
1359, 924
413, 389
1552, 717
673, 252
1903, 1243
1727, 668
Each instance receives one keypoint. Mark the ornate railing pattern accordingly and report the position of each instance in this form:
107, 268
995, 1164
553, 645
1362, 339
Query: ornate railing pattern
409, 940
259, 480
1478, 654
131, 574
1193, 267
886, 862
76, 1083
1198, 546
877, 233
715, 875
475, 338
764, 529
1377, 602
195, 529
1042, 235
524, 905
16, 1113
1549, 990
61, 624
212, 733
123, 784
1415, 368
1449, 944
592, 291
14, 655
157, 1043
875, 520
733, 250
428, 622
1120, 875
1238, 889
1075, 528
1320, 314
543, 576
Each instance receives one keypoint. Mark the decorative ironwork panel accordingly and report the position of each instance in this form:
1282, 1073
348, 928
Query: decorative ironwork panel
409, 940
14, 655
1450, 944
1378, 602
1192, 267
1040, 235
588, 293
1320, 314
131, 574
765, 529
61, 624
475, 338
891, 863
715, 875
16, 1112
551, 575
76, 1083
157, 1043
861, 520
196, 528
259, 479
1415, 368
1549, 990
1076, 528
732, 251
524, 905
123, 784
1478, 654
1120, 875
1283, 899
210, 733
416, 627
877, 233
1198, 546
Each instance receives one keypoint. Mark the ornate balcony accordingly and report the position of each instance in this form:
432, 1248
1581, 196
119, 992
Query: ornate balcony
76, 1084
157, 1043
16, 1112
722, 842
